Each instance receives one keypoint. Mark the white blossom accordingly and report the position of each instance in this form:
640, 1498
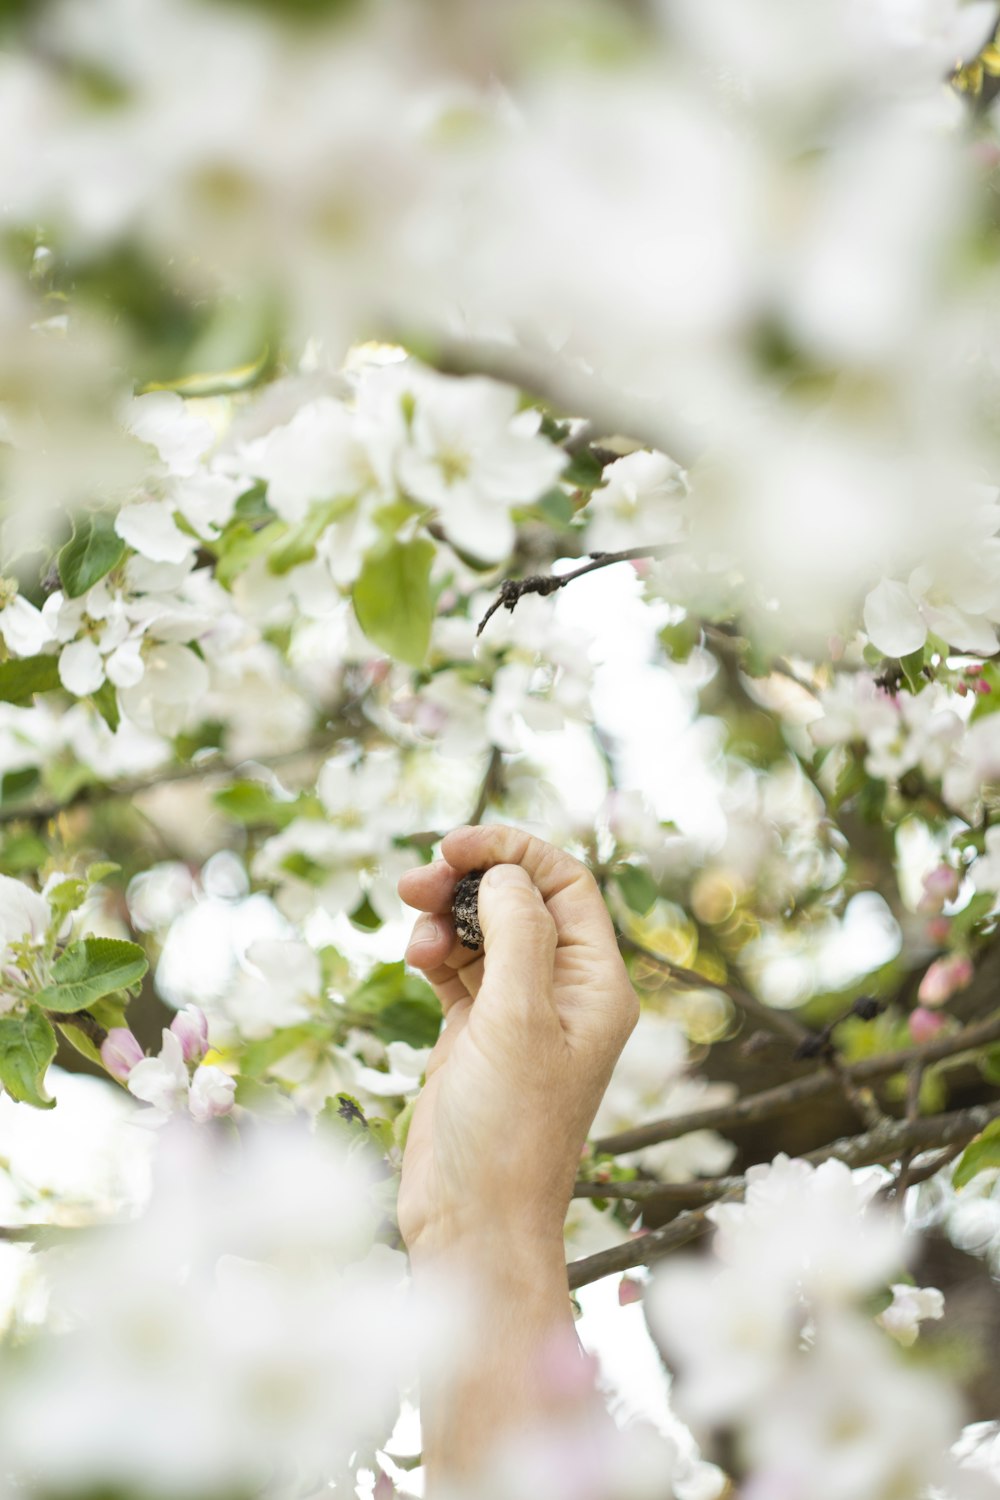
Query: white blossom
910, 1306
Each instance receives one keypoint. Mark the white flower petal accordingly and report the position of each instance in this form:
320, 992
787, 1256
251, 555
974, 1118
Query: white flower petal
149, 527
81, 668
892, 619
23, 627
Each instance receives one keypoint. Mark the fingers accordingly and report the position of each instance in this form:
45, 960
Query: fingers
520, 940
429, 887
567, 886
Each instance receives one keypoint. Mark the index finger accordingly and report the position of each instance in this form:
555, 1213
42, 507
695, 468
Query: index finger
567, 886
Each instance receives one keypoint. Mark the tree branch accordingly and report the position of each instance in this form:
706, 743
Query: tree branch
774, 1101
513, 589
94, 793
884, 1144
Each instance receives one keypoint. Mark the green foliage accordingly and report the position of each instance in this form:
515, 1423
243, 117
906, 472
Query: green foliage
89, 970
980, 1156
21, 678
90, 554
105, 700
21, 852
251, 803
393, 599
913, 667
299, 544
27, 1047
401, 1006
585, 471
258, 1056
638, 888
988, 703
240, 544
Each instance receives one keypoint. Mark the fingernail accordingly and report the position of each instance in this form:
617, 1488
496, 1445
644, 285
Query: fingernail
427, 931
507, 875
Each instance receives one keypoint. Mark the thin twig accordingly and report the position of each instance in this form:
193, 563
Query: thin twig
513, 589
489, 787
785, 1096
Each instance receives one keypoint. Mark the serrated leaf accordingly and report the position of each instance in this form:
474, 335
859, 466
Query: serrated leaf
393, 599
90, 969
21, 678
67, 896
91, 552
979, 1156
27, 1047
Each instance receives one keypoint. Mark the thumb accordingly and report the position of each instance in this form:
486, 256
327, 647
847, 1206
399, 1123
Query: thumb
519, 936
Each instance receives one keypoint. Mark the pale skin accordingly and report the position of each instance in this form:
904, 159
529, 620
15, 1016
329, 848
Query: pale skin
533, 1027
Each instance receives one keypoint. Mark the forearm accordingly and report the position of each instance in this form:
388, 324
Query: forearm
521, 1364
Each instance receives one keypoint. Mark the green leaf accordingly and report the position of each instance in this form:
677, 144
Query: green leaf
982, 1154
913, 666
16, 785
240, 544
987, 703
105, 700
90, 554
250, 803
258, 1056
67, 896
402, 1006
27, 1047
101, 869
364, 916
584, 471
299, 544
638, 888
89, 970
393, 599
21, 678
21, 852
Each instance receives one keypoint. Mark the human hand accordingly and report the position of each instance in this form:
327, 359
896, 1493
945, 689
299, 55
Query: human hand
533, 1028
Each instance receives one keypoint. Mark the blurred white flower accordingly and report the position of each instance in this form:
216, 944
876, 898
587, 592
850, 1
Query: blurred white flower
910, 1306
638, 504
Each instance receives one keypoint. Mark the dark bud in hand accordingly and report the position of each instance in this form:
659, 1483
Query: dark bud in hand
465, 910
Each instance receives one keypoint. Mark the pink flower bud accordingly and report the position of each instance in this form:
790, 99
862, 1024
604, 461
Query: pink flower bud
962, 689
925, 1024
190, 1027
938, 929
945, 977
940, 885
384, 1487
976, 670
120, 1051
982, 687
629, 1291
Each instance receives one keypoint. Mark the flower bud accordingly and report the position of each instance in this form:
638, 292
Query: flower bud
190, 1027
629, 1291
940, 885
945, 977
120, 1051
925, 1024
938, 929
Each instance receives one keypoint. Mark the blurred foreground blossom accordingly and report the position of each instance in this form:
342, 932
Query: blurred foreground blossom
245, 1331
